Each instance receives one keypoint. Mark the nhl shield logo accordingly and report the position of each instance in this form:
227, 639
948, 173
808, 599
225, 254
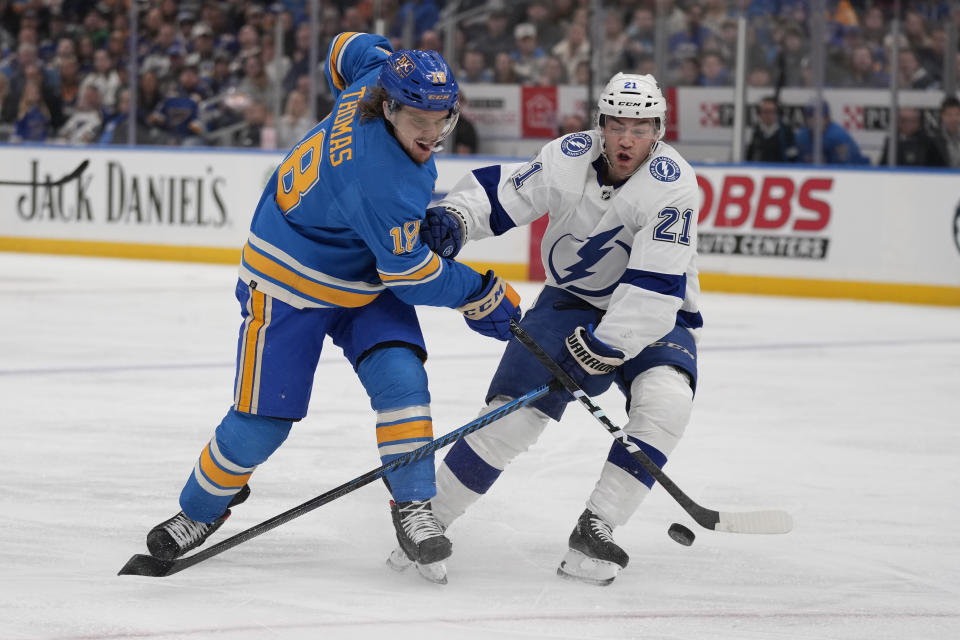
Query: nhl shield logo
664, 169
576, 144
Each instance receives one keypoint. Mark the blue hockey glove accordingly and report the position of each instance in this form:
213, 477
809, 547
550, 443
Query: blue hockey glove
586, 355
444, 231
490, 311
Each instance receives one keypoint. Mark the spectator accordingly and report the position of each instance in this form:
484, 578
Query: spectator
571, 123
914, 147
549, 31
220, 78
415, 16
503, 71
255, 119
148, 95
203, 48
912, 74
713, 73
915, 29
581, 74
573, 49
300, 56
464, 139
8, 104
33, 116
874, 29
690, 41
295, 122
83, 127
838, 145
104, 77
177, 117
474, 68
771, 139
614, 44
641, 36
33, 72
69, 87
759, 77
950, 130
554, 73
430, 41
688, 74
528, 58
117, 128
255, 84
863, 71
276, 69
496, 38
794, 51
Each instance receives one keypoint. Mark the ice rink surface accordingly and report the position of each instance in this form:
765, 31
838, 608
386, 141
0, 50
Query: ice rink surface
114, 373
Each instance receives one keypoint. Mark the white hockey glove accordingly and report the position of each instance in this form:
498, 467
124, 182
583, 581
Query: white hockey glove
588, 355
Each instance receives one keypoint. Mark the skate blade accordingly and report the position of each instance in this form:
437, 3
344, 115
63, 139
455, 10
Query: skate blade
582, 568
399, 561
435, 572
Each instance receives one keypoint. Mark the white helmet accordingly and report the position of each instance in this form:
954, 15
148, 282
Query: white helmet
629, 95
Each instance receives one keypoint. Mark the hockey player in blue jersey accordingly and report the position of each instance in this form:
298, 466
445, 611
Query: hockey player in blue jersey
334, 251
619, 306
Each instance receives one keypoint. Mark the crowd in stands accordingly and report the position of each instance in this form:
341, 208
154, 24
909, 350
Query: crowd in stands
211, 72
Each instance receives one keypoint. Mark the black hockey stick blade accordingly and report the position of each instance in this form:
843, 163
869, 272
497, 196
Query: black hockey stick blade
144, 565
766, 522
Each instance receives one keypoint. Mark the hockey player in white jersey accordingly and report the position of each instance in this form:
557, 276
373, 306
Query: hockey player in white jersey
619, 304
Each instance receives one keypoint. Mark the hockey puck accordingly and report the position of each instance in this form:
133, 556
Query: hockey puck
681, 534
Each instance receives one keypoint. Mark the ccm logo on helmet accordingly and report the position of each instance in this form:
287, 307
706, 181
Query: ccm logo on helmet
624, 103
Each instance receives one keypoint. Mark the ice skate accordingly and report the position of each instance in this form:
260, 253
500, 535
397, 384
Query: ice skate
421, 539
593, 557
174, 537
435, 572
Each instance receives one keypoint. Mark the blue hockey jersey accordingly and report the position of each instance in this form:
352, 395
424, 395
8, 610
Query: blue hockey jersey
339, 220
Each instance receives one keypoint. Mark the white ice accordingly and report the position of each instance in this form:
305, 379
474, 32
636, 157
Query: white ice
114, 373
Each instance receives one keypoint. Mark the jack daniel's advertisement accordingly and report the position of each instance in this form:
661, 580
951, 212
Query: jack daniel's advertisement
138, 197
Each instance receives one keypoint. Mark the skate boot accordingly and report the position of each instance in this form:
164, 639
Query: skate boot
421, 541
174, 537
593, 556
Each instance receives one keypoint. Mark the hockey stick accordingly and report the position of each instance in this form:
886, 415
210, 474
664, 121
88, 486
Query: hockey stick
73, 175
731, 522
144, 565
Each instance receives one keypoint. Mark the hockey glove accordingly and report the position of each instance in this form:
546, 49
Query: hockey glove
444, 231
587, 355
490, 311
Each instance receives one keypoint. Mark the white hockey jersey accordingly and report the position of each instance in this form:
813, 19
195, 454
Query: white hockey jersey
629, 248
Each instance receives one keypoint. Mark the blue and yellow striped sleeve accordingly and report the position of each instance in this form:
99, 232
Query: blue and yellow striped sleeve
353, 54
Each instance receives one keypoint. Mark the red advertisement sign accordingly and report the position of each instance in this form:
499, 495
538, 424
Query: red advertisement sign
539, 108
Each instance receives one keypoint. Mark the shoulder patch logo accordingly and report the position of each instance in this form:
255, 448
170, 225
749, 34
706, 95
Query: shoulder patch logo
664, 169
576, 144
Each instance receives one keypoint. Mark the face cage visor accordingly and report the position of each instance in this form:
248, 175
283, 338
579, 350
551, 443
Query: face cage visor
453, 115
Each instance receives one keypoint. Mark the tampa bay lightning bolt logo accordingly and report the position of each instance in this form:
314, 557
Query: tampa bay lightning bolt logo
664, 169
576, 144
590, 252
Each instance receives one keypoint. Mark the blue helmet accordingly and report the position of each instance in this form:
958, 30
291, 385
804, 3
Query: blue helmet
419, 79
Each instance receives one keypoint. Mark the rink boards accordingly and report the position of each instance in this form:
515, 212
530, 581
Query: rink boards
875, 234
